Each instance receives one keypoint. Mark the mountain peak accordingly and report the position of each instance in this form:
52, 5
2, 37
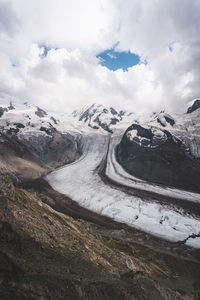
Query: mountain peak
97, 116
194, 106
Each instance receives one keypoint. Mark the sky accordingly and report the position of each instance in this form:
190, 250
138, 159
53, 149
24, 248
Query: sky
140, 55
115, 60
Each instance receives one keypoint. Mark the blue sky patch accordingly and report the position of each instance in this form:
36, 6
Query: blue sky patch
111, 58
171, 47
115, 60
45, 52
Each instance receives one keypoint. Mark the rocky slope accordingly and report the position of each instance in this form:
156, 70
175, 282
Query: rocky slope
48, 255
194, 106
51, 248
164, 149
31, 142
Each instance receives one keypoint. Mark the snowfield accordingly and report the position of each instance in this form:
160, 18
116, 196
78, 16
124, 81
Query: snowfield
81, 182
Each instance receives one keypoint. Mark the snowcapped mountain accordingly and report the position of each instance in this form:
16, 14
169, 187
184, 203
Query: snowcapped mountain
26, 119
185, 127
97, 116
158, 128
29, 119
164, 148
32, 139
194, 106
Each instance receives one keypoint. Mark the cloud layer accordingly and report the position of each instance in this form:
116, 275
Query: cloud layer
166, 33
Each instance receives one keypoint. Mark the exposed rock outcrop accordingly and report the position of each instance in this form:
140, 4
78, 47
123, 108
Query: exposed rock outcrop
34, 155
30, 143
156, 155
97, 116
195, 106
2, 110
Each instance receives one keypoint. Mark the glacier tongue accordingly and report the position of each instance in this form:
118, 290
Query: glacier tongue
81, 182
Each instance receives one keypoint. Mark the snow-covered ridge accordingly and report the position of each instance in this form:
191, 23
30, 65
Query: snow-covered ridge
146, 137
97, 116
87, 187
26, 118
195, 105
29, 120
184, 127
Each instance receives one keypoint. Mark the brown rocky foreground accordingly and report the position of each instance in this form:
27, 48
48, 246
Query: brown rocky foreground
51, 248
45, 254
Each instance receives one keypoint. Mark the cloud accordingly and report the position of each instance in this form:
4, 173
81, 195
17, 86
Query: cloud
70, 75
85, 25
149, 28
71, 79
8, 21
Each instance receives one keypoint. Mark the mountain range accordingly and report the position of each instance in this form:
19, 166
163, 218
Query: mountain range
99, 204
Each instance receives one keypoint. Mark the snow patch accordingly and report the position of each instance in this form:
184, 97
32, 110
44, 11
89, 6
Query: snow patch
193, 242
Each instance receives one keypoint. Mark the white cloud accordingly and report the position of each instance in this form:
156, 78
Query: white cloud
71, 79
72, 75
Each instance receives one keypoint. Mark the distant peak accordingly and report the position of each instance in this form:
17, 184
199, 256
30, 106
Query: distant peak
99, 116
195, 106
11, 107
40, 112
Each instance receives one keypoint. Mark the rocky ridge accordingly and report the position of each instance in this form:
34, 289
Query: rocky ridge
45, 254
99, 117
31, 142
164, 149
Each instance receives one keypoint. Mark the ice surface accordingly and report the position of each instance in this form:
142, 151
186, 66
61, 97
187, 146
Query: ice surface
193, 242
81, 182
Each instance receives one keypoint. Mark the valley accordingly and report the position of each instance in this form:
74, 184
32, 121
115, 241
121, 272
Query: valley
61, 180
141, 212
99, 150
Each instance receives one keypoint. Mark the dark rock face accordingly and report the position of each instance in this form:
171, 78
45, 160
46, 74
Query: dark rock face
170, 120
31, 146
96, 116
49, 130
19, 125
195, 106
46, 255
122, 113
113, 111
12, 131
40, 113
2, 110
160, 122
55, 149
39, 153
163, 119
87, 113
159, 157
54, 120
11, 107
141, 131
114, 121
103, 125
